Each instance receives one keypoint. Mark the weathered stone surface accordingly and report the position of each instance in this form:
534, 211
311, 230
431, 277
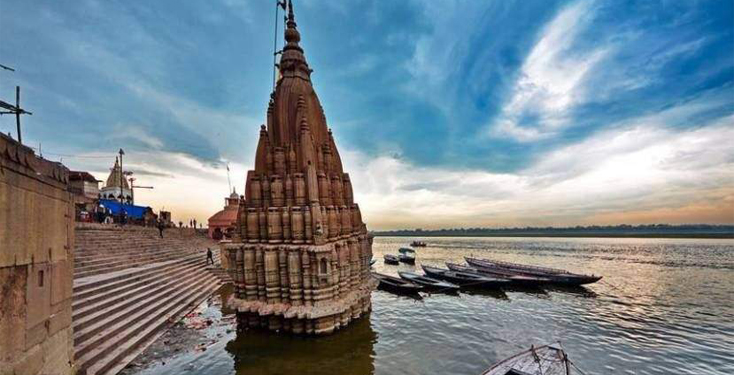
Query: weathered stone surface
36, 254
301, 260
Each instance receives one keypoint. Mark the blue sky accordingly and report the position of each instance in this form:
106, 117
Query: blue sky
447, 113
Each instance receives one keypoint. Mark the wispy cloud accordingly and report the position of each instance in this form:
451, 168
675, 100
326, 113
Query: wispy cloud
612, 177
551, 80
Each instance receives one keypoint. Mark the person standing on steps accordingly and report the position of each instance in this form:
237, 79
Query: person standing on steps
160, 227
209, 256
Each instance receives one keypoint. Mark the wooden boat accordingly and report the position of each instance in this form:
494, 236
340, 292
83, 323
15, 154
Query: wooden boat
429, 283
396, 285
407, 258
406, 250
525, 280
543, 360
391, 259
418, 244
464, 279
556, 276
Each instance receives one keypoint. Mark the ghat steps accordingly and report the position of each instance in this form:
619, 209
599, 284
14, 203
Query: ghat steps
130, 285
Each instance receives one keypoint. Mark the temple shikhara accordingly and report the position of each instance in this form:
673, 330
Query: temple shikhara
300, 253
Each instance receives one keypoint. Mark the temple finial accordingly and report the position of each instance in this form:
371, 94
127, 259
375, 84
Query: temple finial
292, 36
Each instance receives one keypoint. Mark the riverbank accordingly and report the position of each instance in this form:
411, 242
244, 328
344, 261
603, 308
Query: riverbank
209, 327
595, 231
562, 235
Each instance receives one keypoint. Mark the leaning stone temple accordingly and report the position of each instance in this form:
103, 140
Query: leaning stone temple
300, 255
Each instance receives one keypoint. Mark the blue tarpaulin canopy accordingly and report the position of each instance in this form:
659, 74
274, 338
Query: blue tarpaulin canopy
132, 211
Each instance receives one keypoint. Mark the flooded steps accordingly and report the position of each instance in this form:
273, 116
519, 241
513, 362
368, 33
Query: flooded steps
120, 356
129, 285
125, 334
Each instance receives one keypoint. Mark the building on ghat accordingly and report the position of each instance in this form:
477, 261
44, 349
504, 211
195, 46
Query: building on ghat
300, 255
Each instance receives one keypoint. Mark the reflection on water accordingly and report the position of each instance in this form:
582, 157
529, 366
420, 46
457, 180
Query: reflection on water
664, 306
262, 353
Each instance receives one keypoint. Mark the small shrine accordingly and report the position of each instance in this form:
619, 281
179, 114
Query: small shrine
116, 187
222, 224
300, 253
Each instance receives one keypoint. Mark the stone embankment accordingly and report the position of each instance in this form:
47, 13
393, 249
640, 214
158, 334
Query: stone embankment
130, 285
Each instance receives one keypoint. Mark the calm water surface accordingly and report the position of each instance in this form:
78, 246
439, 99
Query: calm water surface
664, 306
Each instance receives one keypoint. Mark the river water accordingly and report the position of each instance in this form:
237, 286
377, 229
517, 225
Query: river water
665, 306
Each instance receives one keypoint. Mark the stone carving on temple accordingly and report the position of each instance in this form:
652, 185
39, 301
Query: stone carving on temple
300, 255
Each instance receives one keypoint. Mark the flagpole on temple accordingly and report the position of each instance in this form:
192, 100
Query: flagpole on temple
229, 181
278, 4
122, 178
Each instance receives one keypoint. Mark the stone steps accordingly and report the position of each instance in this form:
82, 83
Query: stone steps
89, 329
97, 260
129, 291
129, 286
146, 334
125, 336
123, 262
102, 290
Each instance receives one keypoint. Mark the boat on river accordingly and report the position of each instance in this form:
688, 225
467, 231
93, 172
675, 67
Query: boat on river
408, 258
396, 285
429, 283
556, 276
543, 360
391, 259
524, 280
406, 250
418, 244
464, 279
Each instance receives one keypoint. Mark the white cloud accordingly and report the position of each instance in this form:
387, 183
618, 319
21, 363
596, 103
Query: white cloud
552, 78
642, 166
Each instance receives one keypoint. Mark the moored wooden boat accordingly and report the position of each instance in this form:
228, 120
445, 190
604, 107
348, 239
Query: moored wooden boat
543, 360
418, 244
464, 279
525, 280
429, 283
407, 258
396, 285
556, 276
406, 250
391, 259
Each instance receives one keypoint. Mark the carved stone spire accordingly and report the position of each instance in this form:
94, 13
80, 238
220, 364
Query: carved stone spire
292, 61
297, 219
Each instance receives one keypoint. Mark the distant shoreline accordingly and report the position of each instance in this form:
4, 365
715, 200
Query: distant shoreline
567, 235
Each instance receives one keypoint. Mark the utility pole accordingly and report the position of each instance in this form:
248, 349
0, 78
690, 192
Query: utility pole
15, 110
122, 177
133, 187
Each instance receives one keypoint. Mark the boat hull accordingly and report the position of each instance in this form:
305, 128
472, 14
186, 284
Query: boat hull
430, 284
465, 281
396, 285
391, 260
517, 280
556, 277
542, 360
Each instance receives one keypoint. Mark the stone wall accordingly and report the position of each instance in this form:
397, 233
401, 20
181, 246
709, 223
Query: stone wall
36, 263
